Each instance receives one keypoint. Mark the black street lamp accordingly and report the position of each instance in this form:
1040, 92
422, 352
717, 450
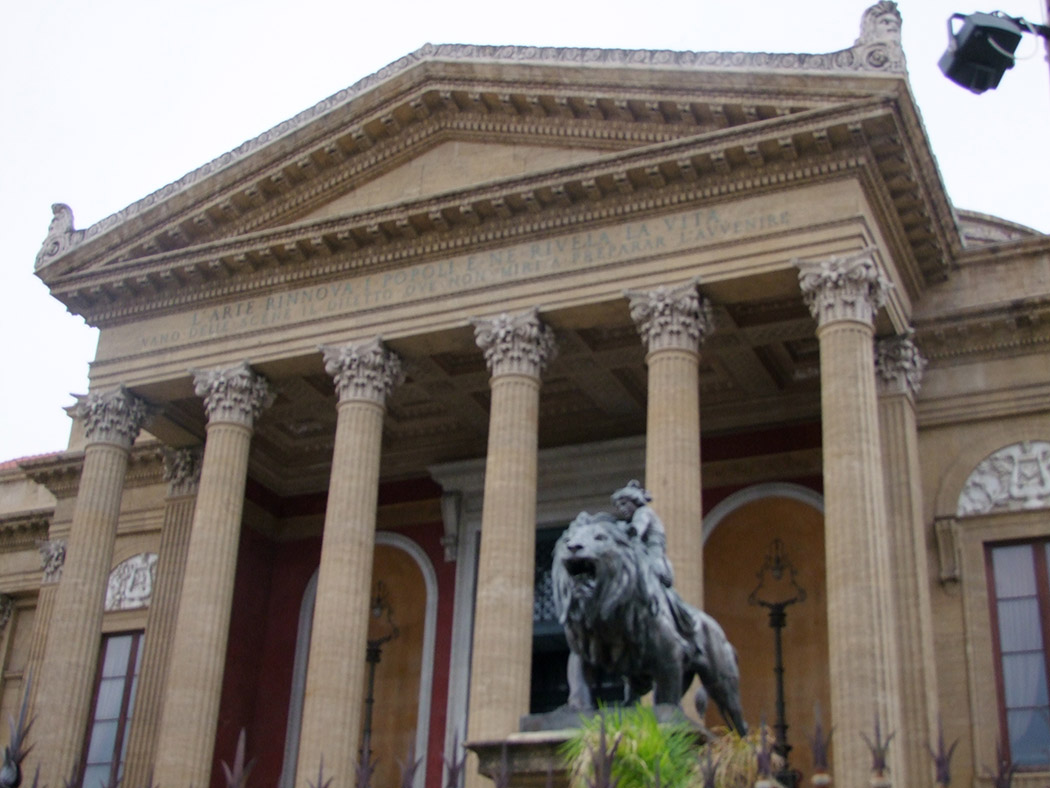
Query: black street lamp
982, 49
776, 595
382, 630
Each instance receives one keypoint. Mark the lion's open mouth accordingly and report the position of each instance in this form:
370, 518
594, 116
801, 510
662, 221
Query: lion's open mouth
581, 568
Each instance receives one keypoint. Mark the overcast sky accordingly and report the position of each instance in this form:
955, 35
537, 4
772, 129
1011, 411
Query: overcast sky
105, 101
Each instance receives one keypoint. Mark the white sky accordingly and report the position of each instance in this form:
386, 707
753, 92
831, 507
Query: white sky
105, 101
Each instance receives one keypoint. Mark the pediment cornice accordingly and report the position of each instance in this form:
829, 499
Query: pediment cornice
612, 98
870, 138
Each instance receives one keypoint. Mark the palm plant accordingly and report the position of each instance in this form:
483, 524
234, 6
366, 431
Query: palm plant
642, 748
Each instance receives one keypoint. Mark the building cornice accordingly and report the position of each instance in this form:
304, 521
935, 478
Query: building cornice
60, 473
867, 57
776, 153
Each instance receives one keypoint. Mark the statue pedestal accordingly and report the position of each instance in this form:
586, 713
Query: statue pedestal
527, 758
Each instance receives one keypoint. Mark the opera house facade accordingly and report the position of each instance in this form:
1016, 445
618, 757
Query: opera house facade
355, 376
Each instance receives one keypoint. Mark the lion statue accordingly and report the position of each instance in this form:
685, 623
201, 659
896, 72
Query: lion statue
621, 619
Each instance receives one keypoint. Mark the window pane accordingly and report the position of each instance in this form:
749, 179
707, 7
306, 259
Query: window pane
1029, 736
110, 695
95, 776
1024, 676
1014, 571
118, 649
1019, 627
103, 742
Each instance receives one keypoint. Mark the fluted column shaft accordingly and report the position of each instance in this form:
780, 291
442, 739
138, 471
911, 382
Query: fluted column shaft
182, 472
673, 322
335, 679
844, 294
516, 349
53, 556
112, 421
186, 739
899, 366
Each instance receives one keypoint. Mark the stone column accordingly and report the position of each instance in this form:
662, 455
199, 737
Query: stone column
112, 422
899, 367
517, 349
233, 400
844, 294
52, 558
673, 322
333, 702
182, 472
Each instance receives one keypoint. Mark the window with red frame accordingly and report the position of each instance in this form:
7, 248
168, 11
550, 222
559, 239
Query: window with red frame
1020, 594
111, 718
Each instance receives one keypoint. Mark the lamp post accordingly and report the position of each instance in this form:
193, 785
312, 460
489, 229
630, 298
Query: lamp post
776, 596
382, 630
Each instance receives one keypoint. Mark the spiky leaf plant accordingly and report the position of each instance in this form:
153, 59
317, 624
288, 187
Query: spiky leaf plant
409, 766
321, 781
17, 748
366, 765
237, 775
734, 758
879, 748
942, 758
1003, 776
819, 744
454, 767
643, 746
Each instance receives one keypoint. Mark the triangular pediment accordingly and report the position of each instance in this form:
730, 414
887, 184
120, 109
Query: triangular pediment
448, 166
568, 99
461, 141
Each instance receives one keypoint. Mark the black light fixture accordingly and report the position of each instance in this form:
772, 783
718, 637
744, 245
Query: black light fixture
982, 49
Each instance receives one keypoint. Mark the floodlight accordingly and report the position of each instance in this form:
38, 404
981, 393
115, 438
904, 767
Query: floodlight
982, 49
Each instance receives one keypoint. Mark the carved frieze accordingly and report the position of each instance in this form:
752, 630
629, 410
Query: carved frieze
676, 317
363, 371
53, 557
1014, 478
182, 469
130, 583
515, 344
899, 365
236, 394
112, 417
847, 287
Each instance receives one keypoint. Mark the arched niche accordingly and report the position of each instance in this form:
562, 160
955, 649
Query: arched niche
738, 534
404, 676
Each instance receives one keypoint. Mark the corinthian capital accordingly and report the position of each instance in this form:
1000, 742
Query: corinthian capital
898, 365
675, 317
849, 287
363, 371
515, 344
236, 394
52, 558
182, 470
112, 417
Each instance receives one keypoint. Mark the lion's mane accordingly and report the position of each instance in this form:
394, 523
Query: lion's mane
616, 606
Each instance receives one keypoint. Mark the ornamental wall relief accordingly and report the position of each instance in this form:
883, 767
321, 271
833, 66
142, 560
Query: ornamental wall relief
131, 583
1014, 478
